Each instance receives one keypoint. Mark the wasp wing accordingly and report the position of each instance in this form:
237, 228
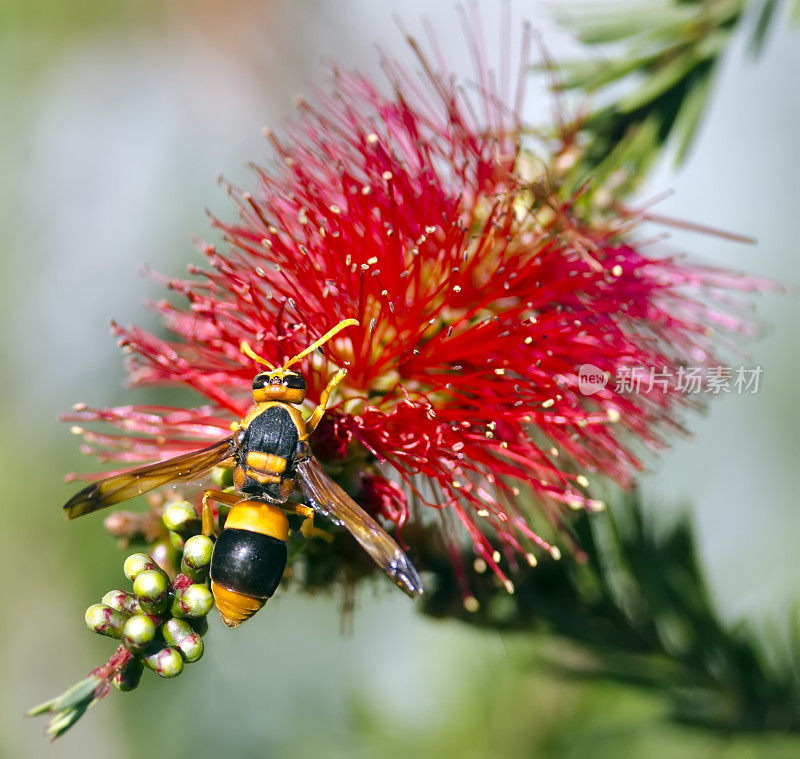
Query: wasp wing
329, 499
121, 487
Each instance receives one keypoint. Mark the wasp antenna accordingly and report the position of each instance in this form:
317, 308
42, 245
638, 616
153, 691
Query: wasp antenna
324, 339
250, 353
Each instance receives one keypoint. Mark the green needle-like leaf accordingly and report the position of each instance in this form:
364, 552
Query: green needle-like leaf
665, 71
640, 606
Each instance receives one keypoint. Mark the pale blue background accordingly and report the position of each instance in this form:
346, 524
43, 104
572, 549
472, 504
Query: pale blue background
116, 118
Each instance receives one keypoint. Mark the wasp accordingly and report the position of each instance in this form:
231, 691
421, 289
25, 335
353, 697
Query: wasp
270, 455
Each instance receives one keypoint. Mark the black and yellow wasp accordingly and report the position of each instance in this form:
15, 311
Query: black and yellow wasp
270, 456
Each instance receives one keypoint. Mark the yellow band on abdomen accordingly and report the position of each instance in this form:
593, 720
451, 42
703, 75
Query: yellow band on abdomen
259, 517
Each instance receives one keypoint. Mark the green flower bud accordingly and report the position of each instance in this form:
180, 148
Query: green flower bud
180, 635
137, 563
165, 662
222, 476
181, 517
194, 601
162, 553
151, 588
138, 633
128, 677
176, 541
197, 557
122, 601
199, 625
105, 620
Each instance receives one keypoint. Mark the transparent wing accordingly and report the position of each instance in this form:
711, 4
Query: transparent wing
121, 487
329, 499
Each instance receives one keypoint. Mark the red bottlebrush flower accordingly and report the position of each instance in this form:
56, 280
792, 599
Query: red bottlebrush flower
479, 295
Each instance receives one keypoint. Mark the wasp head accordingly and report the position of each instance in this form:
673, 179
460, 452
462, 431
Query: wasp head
279, 385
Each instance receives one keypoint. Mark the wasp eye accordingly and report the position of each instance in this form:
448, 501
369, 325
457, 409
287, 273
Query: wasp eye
294, 381
261, 380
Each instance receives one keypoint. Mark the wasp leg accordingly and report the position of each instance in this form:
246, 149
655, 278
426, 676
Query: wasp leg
307, 527
229, 499
319, 411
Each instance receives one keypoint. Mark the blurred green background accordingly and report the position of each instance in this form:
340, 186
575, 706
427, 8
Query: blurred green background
116, 119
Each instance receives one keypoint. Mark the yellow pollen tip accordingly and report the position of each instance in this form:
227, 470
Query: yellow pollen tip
471, 604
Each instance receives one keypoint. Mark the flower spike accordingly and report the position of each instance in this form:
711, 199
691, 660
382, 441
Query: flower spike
463, 394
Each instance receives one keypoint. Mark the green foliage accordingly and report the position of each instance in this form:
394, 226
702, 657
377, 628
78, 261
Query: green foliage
70, 706
653, 82
639, 604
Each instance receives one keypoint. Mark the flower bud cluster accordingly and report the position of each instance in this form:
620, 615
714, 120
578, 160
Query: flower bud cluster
160, 622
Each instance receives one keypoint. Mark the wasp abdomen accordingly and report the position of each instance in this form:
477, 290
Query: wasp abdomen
248, 560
